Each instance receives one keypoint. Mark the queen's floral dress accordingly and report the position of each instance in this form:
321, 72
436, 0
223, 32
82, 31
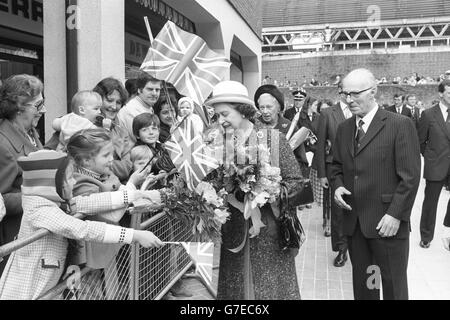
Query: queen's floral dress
256, 268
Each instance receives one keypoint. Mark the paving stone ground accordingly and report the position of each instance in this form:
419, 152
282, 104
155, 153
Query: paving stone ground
428, 272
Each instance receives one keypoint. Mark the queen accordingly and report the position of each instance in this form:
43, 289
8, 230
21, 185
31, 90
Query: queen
252, 265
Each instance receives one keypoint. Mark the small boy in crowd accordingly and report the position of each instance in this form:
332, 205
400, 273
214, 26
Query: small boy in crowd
85, 107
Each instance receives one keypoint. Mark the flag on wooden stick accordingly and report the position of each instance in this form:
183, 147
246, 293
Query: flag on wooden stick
184, 60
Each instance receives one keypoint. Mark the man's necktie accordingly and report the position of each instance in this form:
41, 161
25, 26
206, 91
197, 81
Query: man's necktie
448, 120
399, 110
360, 135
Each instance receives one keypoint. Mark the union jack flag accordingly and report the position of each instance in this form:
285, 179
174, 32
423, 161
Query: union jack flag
189, 154
184, 60
202, 254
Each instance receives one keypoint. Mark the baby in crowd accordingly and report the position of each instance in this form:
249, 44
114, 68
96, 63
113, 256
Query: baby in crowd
86, 113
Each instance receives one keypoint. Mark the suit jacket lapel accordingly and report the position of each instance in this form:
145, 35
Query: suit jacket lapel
350, 134
338, 114
440, 119
375, 126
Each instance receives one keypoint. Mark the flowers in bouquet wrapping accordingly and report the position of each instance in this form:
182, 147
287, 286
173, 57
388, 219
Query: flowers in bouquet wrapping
259, 199
209, 194
203, 209
221, 215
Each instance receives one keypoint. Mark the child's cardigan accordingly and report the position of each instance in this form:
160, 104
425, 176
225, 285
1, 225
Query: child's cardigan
97, 255
38, 267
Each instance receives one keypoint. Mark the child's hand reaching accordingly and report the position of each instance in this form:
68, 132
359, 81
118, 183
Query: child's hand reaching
149, 181
147, 239
138, 177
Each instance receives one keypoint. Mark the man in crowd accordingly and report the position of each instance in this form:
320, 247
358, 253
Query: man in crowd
329, 121
149, 90
376, 174
399, 107
411, 104
434, 136
299, 100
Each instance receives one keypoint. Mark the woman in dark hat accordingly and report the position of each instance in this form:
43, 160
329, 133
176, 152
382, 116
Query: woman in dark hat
253, 267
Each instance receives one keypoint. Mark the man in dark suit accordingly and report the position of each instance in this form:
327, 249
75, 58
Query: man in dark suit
399, 106
299, 101
376, 174
411, 104
329, 121
434, 136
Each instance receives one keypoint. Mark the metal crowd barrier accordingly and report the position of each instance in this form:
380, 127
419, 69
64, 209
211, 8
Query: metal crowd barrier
135, 273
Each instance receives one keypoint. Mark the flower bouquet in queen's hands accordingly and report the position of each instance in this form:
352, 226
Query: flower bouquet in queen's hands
204, 209
250, 186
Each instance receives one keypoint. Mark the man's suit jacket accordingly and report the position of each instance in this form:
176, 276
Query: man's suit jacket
383, 175
405, 110
434, 139
329, 121
290, 113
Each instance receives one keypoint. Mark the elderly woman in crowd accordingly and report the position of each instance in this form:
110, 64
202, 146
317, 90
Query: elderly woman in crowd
270, 102
253, 267
21, 107
114, 97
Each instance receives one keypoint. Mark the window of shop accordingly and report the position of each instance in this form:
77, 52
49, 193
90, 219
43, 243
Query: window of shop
136, 36
19, 58
236, 70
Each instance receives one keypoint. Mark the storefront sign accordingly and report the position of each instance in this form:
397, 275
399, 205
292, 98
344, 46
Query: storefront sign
167, 12
23, 15
135, 49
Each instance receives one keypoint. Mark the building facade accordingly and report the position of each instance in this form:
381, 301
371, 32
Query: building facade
305, 39
73, 44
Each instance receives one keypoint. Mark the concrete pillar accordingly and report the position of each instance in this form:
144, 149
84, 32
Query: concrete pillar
54, 62
100, 48
252, 73
101, 44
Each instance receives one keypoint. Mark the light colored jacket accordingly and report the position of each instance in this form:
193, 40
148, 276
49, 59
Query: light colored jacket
38, 267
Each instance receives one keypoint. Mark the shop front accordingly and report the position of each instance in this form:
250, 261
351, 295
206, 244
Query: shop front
21, 40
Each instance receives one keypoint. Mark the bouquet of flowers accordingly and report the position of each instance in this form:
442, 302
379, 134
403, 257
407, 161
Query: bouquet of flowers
204, 208
255, 183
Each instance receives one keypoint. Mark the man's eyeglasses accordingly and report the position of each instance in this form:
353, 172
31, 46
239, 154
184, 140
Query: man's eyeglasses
354, 93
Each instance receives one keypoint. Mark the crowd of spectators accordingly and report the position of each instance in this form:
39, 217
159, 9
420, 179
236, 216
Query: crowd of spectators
411, 80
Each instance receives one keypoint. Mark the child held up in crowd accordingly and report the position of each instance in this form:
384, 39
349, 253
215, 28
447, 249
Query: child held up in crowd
48, 182
186, 108
86, 108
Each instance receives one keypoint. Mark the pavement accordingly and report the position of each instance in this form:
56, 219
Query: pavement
428, 270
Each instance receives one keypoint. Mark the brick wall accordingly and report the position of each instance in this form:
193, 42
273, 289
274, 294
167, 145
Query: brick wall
424, 93
382, 65
251, 11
